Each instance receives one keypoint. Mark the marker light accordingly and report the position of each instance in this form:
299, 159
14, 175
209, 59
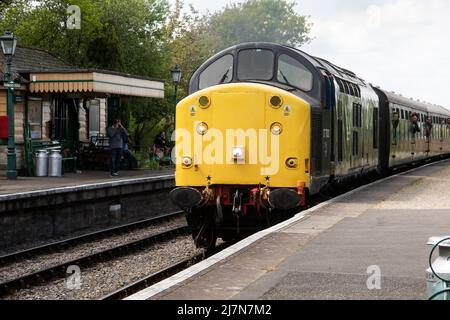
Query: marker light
276, 129
276, 102
202, 128
204, 102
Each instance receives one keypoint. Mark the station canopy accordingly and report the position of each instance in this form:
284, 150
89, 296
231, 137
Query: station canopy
46, 73
95, 81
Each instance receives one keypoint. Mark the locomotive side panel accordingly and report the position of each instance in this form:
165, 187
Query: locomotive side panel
356, 131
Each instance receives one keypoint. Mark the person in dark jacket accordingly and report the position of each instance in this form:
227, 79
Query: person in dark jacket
115, 134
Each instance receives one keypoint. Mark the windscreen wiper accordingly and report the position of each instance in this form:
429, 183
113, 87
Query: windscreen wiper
285, 79
225, 77
287, 82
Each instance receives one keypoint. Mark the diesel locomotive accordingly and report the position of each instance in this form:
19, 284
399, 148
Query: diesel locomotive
266, 126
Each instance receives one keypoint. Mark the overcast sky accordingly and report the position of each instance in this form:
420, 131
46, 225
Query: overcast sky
400, 45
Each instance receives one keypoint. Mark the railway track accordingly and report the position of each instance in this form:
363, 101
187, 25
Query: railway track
56, 271
161, 275
71, 242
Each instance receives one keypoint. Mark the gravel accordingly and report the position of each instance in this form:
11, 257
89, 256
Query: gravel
39, 262
107, 277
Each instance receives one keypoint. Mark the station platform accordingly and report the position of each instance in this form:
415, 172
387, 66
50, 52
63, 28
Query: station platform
35, 211
334, 251
30, 184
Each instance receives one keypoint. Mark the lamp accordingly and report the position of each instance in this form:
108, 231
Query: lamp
176, 75
8, 43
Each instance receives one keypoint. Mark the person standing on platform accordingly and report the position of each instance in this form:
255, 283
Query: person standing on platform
115, 134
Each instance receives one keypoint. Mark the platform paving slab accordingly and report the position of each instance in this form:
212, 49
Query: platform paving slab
28, 184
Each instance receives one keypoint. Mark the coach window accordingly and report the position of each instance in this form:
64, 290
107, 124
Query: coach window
293, 73
220, 71
255, 64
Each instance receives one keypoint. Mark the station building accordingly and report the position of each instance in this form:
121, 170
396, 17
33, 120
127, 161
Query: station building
59, 102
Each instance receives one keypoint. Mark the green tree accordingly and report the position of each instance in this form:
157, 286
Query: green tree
108, 38
196, 37
125, 36
190, 45
259, 20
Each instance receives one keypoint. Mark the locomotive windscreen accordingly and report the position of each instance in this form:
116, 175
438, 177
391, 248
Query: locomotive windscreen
219, 72
255, 64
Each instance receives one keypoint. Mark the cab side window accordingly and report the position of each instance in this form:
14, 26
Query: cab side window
293, 73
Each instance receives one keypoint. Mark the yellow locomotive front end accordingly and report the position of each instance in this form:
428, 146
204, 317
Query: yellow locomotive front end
242, 151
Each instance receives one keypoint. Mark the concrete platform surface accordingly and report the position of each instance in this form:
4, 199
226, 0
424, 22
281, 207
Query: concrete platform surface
335, 251
29, 184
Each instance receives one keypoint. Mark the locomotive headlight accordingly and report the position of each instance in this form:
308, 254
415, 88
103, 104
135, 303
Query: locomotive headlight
204, 102
276, 102
238, 153
202, 128
186, 162
276, 129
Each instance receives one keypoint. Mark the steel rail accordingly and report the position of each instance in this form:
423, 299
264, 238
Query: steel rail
71, 242
57, 271
161, 275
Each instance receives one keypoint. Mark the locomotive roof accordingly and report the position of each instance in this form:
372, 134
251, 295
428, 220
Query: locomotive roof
318, 63
322, 64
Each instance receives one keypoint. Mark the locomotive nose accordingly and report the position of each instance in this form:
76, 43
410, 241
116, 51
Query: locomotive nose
240, 134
